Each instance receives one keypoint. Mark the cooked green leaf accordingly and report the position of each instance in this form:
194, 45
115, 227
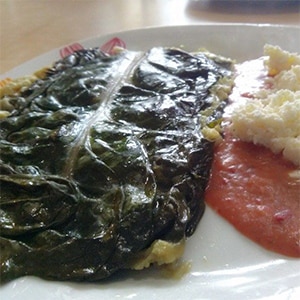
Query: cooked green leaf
103, 157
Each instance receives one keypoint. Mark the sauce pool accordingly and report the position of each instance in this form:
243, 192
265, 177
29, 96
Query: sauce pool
257, 191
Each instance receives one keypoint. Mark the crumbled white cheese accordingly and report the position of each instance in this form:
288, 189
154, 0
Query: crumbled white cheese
272, 119
288, 79
279, 60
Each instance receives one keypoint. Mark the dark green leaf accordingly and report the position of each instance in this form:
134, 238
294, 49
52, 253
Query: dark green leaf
103, 157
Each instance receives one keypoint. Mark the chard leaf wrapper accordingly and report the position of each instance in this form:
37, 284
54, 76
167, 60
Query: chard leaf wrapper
101, 158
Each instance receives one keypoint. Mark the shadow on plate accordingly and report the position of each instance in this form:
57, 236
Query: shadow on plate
126, 279
245, 6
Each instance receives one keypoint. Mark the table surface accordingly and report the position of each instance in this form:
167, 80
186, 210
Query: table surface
29, 28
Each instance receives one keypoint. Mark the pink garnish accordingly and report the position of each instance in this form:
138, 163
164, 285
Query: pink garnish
70, 49
109, 46
283, 215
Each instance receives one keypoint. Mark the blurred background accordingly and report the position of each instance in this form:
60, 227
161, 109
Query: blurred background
29, 28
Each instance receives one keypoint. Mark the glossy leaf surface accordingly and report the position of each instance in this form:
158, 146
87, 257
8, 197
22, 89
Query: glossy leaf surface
101, 158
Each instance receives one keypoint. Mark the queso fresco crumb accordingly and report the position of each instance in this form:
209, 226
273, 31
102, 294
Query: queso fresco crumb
272, 117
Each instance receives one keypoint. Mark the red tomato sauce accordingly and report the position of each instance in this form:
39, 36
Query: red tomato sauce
253, 189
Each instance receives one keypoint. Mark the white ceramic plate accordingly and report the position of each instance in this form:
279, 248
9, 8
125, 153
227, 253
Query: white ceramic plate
225, 264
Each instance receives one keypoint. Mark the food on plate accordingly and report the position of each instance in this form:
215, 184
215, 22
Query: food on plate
255, 177
107, 158
104, 163
272, 118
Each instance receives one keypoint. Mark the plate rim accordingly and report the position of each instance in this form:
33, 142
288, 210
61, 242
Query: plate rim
148, 29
